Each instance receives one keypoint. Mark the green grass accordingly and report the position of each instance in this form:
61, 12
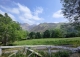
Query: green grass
50, 41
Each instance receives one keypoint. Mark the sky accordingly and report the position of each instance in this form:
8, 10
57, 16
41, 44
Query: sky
33, 11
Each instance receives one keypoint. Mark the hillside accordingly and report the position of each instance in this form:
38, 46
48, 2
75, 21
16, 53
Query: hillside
25, 26
41, 27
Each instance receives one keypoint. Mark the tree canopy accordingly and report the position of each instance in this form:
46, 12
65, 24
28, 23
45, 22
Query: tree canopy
9, 30
71, 10
46, 34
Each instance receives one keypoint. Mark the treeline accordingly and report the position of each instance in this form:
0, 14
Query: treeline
46, 34
65, 31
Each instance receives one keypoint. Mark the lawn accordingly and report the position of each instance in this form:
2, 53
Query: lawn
50, 41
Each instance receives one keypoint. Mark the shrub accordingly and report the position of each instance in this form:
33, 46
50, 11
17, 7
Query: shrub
62, 54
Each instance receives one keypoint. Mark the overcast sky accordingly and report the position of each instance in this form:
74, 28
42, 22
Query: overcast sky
33, 11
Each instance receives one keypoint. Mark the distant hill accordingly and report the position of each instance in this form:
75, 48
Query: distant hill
41, 27
25, 26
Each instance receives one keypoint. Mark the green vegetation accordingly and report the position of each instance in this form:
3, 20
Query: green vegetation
42, 53
65, 31
62, 54
50, 41
57, 54
10, 30
44, 34
71, 11
5, 55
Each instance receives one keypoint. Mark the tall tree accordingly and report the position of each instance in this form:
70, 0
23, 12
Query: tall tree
8, 29
71, 10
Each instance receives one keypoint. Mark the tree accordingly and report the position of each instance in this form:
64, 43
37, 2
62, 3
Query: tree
32, 35
38, 35
8, 29
71, 10
21, 35
46, 34
56, 33
68, 30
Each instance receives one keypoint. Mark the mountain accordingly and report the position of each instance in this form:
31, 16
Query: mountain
26, 26
45, 26
41, 27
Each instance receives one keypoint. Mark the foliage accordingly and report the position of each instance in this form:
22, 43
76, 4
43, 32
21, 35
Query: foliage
38, 35
56, 33
9, 30
62, 54
66, 30
46, 34
71, 10
45, 54
21, 34
69, 31
32, 35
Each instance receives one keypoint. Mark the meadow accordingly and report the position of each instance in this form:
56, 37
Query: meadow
50, 41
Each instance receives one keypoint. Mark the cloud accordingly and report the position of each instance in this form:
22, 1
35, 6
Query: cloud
27, 13
14, 10
12, 16
23, 13
38, 11
26, 20
1, 12
11, 10
58, 14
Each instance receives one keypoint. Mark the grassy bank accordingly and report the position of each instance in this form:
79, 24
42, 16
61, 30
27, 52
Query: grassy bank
50, 41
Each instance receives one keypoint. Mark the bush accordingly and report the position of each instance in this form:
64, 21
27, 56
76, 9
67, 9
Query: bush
62, 54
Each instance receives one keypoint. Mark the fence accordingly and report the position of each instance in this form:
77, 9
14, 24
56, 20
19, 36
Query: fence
39, 47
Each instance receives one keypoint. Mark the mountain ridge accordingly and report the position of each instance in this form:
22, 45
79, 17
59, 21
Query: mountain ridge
41, 27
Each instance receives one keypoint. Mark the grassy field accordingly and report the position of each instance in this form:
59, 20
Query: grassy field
50, 41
